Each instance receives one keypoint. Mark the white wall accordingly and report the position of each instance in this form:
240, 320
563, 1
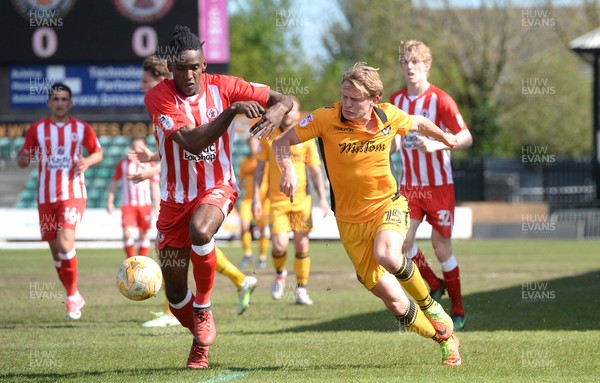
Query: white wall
23, 225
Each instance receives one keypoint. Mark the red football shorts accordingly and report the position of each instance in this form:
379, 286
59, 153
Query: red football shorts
434, 202
137, 216
174, 219
60, 215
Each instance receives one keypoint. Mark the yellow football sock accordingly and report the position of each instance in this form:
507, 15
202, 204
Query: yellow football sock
279, 261
229, 270
247, 243
302, 268
414, 320
411, 280
263, 246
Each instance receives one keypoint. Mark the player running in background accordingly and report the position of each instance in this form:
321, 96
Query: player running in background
154, 71
192, 115
286, 216
427, 173
136, 200
246, 174
56, 143
355, 136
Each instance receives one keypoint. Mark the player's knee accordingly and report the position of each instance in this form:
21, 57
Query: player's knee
278, 253
64, 246
388, 258
200, 235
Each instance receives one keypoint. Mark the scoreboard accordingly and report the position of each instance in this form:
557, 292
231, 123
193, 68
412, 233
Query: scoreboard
106, 31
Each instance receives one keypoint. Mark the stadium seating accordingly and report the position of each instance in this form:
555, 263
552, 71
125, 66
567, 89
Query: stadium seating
98, 178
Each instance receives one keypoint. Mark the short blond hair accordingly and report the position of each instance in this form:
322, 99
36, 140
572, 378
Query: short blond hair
414, 49
157, 67
364, 78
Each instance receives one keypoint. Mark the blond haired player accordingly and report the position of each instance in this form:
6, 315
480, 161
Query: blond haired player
355, 136
286, 216
427, 177
246, 174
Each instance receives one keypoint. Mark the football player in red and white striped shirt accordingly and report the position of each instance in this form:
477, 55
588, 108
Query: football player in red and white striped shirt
136, 199
192, 115
56, 143
427, 173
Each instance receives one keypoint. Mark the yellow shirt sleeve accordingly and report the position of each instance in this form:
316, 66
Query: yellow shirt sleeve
309, 127
402, 122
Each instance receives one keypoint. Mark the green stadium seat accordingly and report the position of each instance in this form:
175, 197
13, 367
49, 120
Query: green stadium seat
121, 141
31, 184
5, 147
150, 140
17, 143
109, 163
115, 151
105, 141
104, 172
91, 172
100, 183
96, 203
28, 195
93, 194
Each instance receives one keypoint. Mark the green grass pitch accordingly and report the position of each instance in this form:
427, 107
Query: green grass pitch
532, 316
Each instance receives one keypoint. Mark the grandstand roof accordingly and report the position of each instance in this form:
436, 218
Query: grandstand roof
588, 43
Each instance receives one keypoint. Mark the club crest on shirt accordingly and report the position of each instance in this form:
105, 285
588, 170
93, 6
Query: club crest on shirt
74, 137
212, 113
307, 120
386, 130
425, 113
166, 122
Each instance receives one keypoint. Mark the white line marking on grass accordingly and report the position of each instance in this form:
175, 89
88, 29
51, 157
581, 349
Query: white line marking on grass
227, 377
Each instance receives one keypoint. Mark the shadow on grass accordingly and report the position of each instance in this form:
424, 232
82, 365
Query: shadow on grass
216, 373
558, 304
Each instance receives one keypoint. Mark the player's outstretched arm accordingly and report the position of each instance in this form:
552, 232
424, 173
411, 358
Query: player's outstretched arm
281, 149
427, 128
195, 139
278, 106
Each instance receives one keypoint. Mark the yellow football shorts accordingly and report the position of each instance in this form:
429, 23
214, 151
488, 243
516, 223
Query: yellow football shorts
246, 212
297, 216
359, 239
